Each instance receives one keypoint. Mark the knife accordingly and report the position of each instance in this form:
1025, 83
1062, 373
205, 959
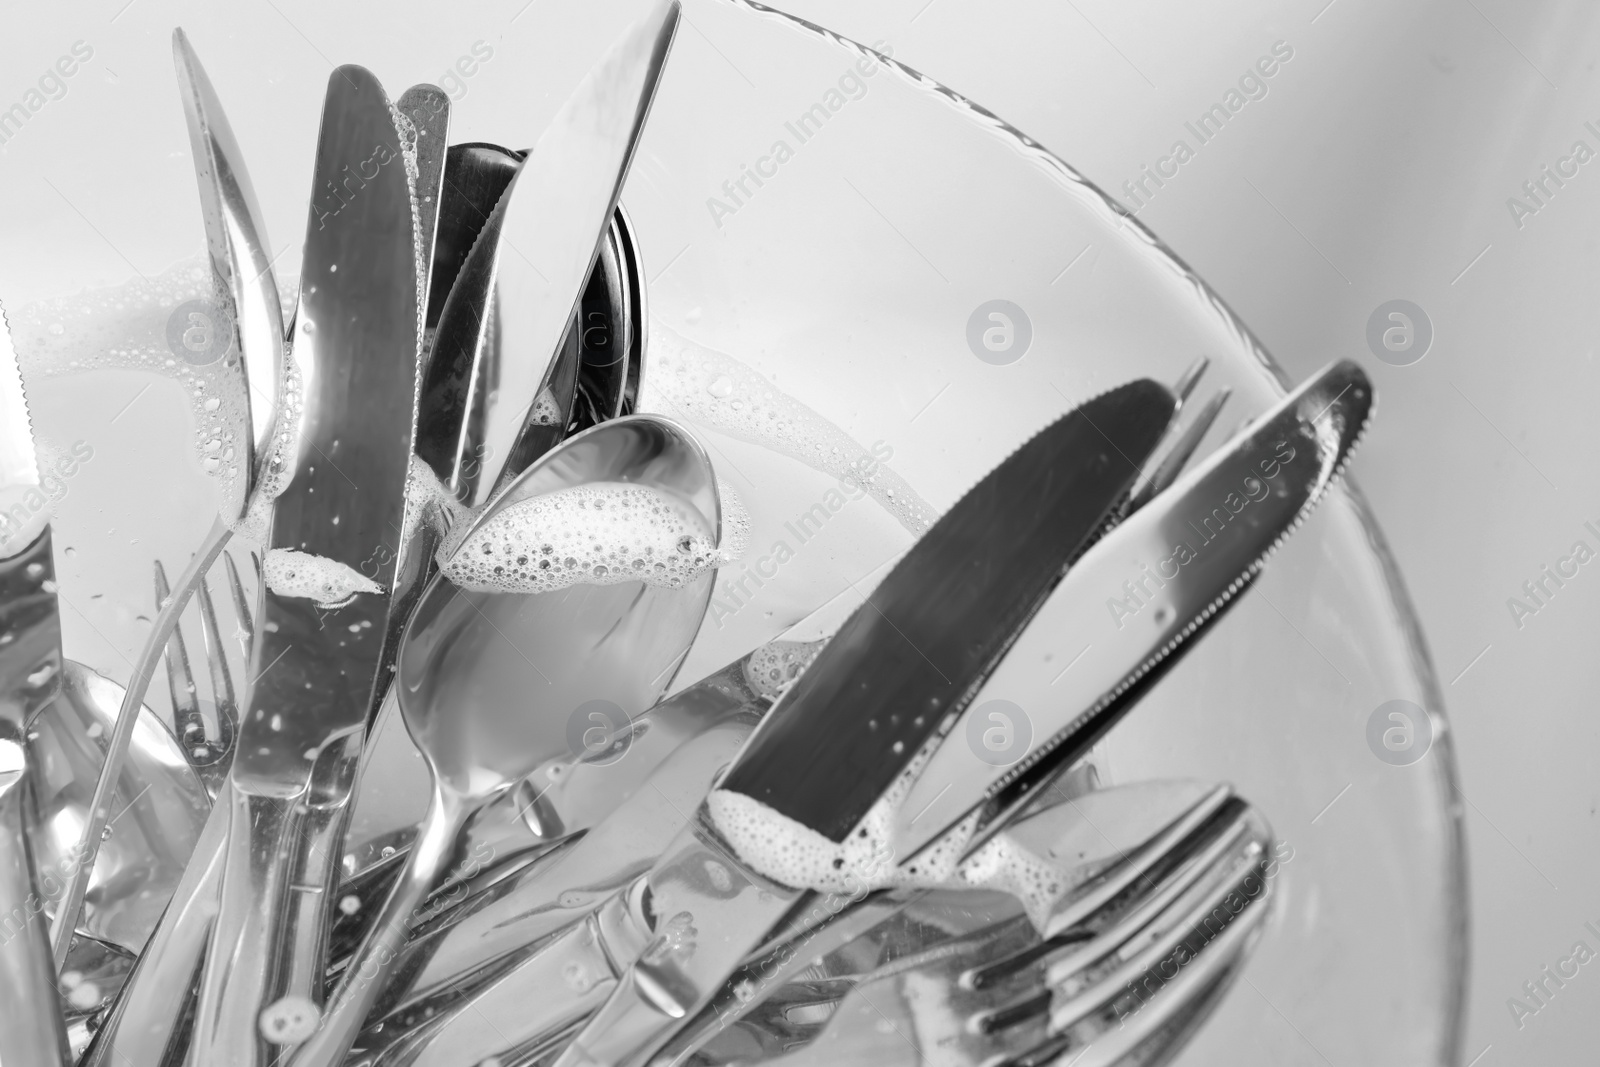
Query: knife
557, 212
328, 809
899, 671
459, 377
475, 177
237, 246
1137, 600
549, 915
30, 675
315, 668
252, 368
572, 178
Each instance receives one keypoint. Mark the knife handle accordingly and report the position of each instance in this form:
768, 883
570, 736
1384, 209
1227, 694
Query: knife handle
370, 968
149, 1021
34, 1032
705, 912
242, 965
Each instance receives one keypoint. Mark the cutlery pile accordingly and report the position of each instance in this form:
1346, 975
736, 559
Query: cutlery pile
804, 857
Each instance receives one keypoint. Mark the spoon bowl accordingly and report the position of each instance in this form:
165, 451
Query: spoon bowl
585, 653
493, 685
159, 809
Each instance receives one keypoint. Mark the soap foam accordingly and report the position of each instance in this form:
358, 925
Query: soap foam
735, 525
774, 667
275, 466
125, 327
714, 389
428, 503
792, 853
545, 408
604, 533
330, 583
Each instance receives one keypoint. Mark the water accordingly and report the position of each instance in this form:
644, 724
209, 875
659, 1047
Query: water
702, 385
172, 325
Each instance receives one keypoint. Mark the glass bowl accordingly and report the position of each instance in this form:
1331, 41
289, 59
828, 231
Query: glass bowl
841, 230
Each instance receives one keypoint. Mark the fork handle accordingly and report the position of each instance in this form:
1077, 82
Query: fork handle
33, 1032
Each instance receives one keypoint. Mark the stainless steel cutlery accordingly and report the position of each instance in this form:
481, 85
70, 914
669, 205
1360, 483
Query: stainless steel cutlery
902, 667
30, 676
1130, 604
769, 865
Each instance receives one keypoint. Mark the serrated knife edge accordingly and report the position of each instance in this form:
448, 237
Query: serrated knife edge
19, 462
1074, 620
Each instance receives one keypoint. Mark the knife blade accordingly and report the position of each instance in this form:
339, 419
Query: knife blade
903, 664
557, 212
899, 670
30, 676
315, 666
454, 384
459, 377
237, 246
252, 368
475, 177
1137, 600
327, 804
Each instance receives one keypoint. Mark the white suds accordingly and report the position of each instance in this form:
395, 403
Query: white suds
276, 465
735, 525
771, 669
428, 502
545, 408
327, 581
796, 855
599, 534
176, 324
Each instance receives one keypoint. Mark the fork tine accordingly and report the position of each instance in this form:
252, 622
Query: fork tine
1182, 450
1147, 913
1189, 913
227, 708
1138, 867
241, 603
1201, 862
1168, 1018
186, 720
1078, 948
1184, 1002
1190, 378
1142, 489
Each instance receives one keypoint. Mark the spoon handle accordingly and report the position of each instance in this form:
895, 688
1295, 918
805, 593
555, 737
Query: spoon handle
369, 969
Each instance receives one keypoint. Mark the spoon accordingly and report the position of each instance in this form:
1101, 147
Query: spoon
393, 783
484, 716
158, 810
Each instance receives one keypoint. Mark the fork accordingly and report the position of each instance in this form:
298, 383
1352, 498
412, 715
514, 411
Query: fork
209, 751
1126, 969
